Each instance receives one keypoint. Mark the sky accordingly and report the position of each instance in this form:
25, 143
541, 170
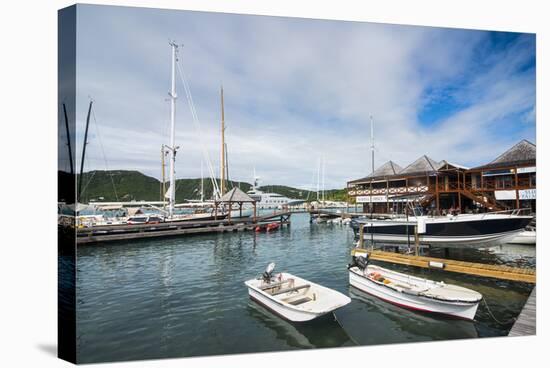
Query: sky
297, 91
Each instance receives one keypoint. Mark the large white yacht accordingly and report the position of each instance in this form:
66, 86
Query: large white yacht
270, 200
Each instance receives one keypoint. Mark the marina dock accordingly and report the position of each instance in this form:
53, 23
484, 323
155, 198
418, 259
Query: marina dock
96, 234
526, 324
476, 269
333, 213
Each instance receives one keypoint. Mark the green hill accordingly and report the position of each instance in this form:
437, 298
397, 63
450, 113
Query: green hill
118, 185
126, 185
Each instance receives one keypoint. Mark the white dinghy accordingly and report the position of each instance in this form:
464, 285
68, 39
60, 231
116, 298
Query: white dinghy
526, 237
292, 297
413, 292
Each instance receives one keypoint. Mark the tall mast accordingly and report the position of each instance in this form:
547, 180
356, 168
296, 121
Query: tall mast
68, 138
173, 148
202, 184
372, 160
318, 178
226, 164
84, 152
323, 177
372, 143
163, 184
222, 159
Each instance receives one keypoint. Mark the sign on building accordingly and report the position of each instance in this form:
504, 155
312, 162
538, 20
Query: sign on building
508, 195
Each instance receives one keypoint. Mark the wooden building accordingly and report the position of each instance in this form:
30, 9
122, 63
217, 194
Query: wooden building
510, 179
443, 187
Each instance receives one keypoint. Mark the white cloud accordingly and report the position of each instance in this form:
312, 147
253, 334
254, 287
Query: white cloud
295, 90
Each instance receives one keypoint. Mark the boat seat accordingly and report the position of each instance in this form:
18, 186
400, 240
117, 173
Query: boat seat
300, 301
288, 290
274, 285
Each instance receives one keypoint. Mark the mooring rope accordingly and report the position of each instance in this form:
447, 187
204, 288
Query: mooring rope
350, 337
493, 316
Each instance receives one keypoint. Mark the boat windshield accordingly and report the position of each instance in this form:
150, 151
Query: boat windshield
417, 211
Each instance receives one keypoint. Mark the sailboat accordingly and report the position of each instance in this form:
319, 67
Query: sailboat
171, 150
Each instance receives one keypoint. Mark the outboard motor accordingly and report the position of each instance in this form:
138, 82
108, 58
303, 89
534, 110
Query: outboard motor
359, 262
362, 262
268, 273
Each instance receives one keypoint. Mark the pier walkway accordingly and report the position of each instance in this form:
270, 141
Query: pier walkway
107, 233
331, 213
476, 269
526, 324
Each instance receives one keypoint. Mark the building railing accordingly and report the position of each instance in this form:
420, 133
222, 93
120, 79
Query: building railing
391, 191
523, 183
488, 185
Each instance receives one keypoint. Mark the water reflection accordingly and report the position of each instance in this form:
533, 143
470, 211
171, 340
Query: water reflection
186, 296
403, 324
322, 332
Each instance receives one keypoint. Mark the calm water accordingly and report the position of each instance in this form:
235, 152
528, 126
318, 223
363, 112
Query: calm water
185, 296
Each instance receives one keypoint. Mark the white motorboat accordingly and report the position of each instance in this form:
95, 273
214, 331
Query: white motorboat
270, 200
292, 297
526, 237
474, 230
413, 292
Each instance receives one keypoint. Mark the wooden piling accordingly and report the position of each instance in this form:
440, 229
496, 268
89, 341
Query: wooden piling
361, 235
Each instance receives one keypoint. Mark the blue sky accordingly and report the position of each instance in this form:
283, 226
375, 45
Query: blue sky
298, 89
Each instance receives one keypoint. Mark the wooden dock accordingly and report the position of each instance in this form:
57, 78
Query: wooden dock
526, 324
477, 269
328, 213
106, 233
